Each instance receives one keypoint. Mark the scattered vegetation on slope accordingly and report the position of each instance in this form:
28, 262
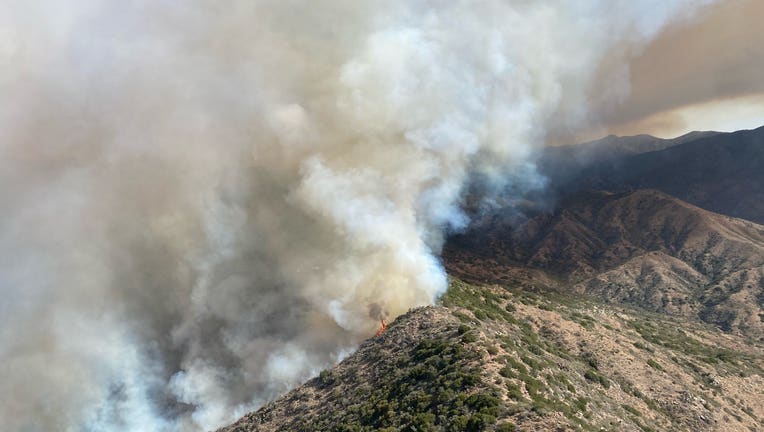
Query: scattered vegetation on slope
492, 359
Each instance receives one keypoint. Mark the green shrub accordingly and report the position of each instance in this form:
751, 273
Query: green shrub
532, 385
424, 422
642, 346
593, 376
517, 365
630, 409
514, 392
479, 422
531, 362
483, 403
469, 338
580, 403
654, 364
326, 378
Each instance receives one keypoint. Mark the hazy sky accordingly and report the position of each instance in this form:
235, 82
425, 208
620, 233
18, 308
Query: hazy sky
703, 73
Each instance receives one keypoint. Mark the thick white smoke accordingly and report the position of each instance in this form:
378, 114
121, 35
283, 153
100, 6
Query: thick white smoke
206, 202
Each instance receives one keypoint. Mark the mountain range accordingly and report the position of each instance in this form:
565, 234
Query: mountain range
720, 172
633, 302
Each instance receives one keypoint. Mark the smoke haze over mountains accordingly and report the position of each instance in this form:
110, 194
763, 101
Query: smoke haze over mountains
206, 203
704, 74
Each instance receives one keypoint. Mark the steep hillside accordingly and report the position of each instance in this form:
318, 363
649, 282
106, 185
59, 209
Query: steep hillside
625, 310
721, 172
643, 248
494, 359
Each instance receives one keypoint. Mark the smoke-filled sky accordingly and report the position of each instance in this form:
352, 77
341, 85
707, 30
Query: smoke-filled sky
703, 74
205, 202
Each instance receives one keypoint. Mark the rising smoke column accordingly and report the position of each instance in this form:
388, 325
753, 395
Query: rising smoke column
206, 202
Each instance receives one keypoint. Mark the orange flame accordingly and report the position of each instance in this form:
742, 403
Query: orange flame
382, 327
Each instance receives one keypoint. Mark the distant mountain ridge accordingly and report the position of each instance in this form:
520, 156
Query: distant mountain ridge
721, 172
561, 163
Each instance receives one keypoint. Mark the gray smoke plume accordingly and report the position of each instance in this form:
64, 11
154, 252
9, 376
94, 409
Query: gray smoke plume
206, 202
